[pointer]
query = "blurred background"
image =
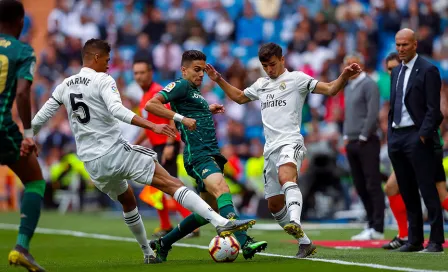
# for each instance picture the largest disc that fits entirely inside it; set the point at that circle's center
(315, 36)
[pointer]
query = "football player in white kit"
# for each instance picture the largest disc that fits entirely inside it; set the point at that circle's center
(93, 104)
(282, 95)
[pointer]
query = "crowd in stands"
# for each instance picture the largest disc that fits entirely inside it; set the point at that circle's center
(315, 36)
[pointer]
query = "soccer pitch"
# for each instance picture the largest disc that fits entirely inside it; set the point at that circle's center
(100, 242)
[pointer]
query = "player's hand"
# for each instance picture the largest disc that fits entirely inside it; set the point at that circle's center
(189, 123)
(217, 108)
(165, 129)
(351, 70)
(27, 147)
(168, 153)
(212, 73)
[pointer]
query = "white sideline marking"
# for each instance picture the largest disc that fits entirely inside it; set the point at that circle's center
(128, 239)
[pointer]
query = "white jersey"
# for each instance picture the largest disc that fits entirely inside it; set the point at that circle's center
(281, 106)
(93, 103)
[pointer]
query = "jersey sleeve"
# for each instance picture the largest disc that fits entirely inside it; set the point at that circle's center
(306, 83)
(26, 63)
(111, 97)
(175, 90)
(252, 91)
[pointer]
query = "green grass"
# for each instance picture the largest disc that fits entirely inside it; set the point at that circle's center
(67, 253)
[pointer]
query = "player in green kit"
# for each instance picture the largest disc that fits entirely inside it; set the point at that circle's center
(17, 61)
(202, 157)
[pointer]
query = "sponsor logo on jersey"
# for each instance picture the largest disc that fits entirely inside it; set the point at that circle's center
(170, 87)
(205, 171)
(114, 89)
(283, 86)
(5, 43)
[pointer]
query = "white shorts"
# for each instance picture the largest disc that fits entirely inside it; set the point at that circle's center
(294, 153)
(124, 162)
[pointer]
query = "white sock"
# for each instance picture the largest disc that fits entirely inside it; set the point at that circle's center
(196, 204)
(135, 224)
(282, 218)
(293, 198)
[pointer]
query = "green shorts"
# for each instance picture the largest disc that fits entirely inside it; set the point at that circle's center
(203, 167)
(10, 139)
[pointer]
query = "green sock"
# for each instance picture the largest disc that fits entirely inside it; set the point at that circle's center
(185, 227)
(226, 209)
(30, 211)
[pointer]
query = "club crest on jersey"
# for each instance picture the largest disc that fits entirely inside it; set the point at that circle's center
(169, 87)
(283, 86)
(114, 89)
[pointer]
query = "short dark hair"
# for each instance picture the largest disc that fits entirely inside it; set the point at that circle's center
(393, 56)
(96, 44)
(268, 50)
(146, 61)
(192, 55)
(11, 11)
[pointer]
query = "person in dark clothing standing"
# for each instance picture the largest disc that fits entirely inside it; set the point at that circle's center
(363, 147)
(414, 118)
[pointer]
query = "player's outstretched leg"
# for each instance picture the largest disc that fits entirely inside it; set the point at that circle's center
(218, 189)
(134, 221)
(202, 212)
(281, 214)
(29, 211)
(398, 208)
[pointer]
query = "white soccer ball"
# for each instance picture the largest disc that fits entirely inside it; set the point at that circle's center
(224, 249)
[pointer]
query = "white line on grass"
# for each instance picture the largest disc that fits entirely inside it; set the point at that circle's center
(128, 239)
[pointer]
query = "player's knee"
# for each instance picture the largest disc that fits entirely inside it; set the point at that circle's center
(216, 185)
(37, 186)
(391, 189)
(127, 200)
(287, 172)
(275, 205)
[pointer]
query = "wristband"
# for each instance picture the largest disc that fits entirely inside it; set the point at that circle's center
(28, 133)
(177, 117)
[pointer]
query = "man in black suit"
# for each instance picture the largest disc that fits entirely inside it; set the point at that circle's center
(414, 117)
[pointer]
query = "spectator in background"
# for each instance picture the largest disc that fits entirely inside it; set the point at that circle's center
(58, 18)
(425, 41)
(167, 56)
(441, 47)
(129, 22)
(27, 30)
(50, 68)
(268, 9)
(428, 17)
(249, 27)
(363, 147)
(224, 27)
(144, 48)
(89, 8)
(155, 26)
(176, 11)
(82, 27)
(391, 17)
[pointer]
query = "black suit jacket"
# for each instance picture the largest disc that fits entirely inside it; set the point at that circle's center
(422, 97)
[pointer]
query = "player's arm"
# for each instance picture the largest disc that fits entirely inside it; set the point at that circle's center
(332, 88)
(173, 91)
(25, 75)
(48, 110)
(112, 99)
(232, 92)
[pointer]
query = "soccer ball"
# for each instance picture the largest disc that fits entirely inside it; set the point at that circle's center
(224, 249)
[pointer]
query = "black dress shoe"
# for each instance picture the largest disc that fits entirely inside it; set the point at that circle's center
(410, 248)
(433, 248)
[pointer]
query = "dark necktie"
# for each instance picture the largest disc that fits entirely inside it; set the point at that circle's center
(399, 96)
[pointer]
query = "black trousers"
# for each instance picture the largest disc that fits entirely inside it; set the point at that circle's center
(414, 163)
(364, 160)
(169, 165)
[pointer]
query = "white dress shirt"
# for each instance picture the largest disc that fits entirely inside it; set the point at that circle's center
(406, 120)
